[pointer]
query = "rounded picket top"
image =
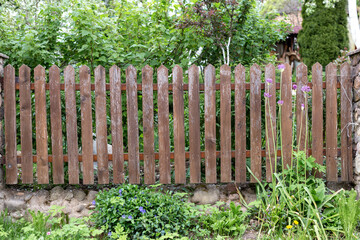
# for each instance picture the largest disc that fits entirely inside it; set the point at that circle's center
(69, 68)
(177, 70)
(239, 68)
(210, 68)
(344, 65)
(330, 66)
(24, 66)
(131, 68)
(84, 69)
(270, 65)
(316, 66)
(147, 68)
(114, 67)
(99, 68)
(9, 66)
(54, 68)
(301, 67)
(225, 69)
(162, 70)
(193, 67)
(39, 68)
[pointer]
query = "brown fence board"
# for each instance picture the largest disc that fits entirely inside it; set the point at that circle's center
(133, 127)
(286, 116)
(194, 125)
(25, 125)
(346, 127)
(71, 124)
(255, 122)
(101, 128)
(163, 116)
(41, 126)
(170, 86)
(210, 125)
(331, 123)
(179, 131)
(10, 124)
(240, 124)
(270, 115)
(86, 126)
(116, 125)
(225, 123)
(317, 114)
(56, 128)
(148, 125)
(187, 155)
(301, 112)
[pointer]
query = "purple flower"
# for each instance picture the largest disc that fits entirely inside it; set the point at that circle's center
(142, 210)
(305, 88)
(130, 217)
(120, 192)
(135, 197)
(93, 202)
(280, 102)
(267, 95)
(302, 106)
(109, 234)
(269, 80)
(123, 216)
(294, 86)
(281, 66)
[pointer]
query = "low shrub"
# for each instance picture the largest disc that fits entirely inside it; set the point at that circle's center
(143, 212)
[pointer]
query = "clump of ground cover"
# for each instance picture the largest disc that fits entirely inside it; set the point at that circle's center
(143, 213)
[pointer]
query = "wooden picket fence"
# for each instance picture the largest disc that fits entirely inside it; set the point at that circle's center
(256, 85)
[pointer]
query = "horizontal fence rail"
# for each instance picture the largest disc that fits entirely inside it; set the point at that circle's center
(248, 109)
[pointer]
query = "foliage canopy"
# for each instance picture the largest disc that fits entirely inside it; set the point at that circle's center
(121, 32)
(324, 32)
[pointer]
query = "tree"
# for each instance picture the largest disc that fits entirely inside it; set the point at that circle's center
(324, 31)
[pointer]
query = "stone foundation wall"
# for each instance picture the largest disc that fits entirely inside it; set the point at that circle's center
(355, 77)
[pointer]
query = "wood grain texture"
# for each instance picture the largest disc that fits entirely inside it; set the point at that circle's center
(194, 125)
(25, 125)
(148, 125)
(331, 123)
(133, 127)
(86, 126)
(41, 126)
(286, 117)
(10, 124)
(163, 116)
(225, 123)
(116, 125)
(179, 131)
(71, 124)
(270, 115)
(301, 107)
(56, 126)
(346, 127)
(255, 121)
(317, 115)
(101, 128)
(210, 125)
(240, 124)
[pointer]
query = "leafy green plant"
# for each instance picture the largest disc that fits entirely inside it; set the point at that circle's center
(225, 222)
(349, 211)
(142, 212)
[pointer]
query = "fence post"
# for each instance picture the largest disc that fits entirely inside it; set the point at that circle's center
(355, 77)
(2, 145)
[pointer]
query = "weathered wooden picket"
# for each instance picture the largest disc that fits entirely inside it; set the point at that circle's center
(256, 86)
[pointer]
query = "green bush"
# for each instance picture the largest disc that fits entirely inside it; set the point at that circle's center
(142, 212)
(225, 222)
(324, 33)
